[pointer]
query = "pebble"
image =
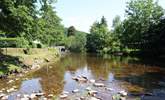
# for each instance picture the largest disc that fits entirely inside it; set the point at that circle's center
(88, 88)
(75, 91)
(65, 92)
(18, 95)
(92, 81)
(25, 98)
(4, 97)
(11, 90)
(63, 96)
(50, 95)
(82, 98)
(99, 84)
(92, 92)
(123, 93)
(32, 96)
(93, 98)
(39, 94)
(10, 81)
(109, 89)
(25, 95)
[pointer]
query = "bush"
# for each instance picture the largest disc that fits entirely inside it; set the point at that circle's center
(32, 45)
(22, 42)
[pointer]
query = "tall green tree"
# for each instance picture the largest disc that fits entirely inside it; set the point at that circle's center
(140, 15)
(99, 36)
(71, 31)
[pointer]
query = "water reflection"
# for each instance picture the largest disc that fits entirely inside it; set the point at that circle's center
(117, 72)
(131, 76)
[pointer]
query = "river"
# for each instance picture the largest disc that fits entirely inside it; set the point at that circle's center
(141, 78)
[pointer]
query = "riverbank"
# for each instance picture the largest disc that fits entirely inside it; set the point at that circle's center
(15, 61)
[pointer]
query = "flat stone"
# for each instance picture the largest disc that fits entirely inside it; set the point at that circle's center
(65, 92)
(99, 84)
(50, 95)
(63, 96)
(92, 81)
(75, 91)
(39, 94)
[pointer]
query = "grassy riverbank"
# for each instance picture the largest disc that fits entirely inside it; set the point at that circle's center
(15, 60)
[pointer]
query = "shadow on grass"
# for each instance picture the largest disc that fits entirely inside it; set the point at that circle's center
(9, 65)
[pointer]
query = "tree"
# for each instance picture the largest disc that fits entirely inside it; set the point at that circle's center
(71, 31)
(96, 40)
(140, 15)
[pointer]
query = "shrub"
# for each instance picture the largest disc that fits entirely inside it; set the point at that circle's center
(21, 42)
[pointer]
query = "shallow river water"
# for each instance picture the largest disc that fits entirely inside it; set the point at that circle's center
(140, 78)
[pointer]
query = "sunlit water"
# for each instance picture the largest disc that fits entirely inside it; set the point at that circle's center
(119, 73)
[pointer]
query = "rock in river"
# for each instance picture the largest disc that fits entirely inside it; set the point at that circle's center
(99, 85)
(63, 96)
(123, 93)
(75, 91)
(92, 81)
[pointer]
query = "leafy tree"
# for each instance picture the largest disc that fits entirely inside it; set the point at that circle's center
(96, 40)
(71, 31)
(50, 30)
(140, 15)
(76, 42)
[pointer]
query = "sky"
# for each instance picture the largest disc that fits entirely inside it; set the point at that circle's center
(83, 13)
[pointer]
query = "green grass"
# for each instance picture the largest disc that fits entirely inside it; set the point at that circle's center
(16, 58)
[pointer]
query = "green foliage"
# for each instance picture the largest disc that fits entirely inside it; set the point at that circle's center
(71, 31)
(12, 67)
(140, 15)
(22, 18)
(21, 42)
(76, 43)
(101, 40)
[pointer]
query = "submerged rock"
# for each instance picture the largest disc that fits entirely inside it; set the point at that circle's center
(94, 98)
(109, 89)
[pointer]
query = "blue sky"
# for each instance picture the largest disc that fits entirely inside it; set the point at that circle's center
(82, 13)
